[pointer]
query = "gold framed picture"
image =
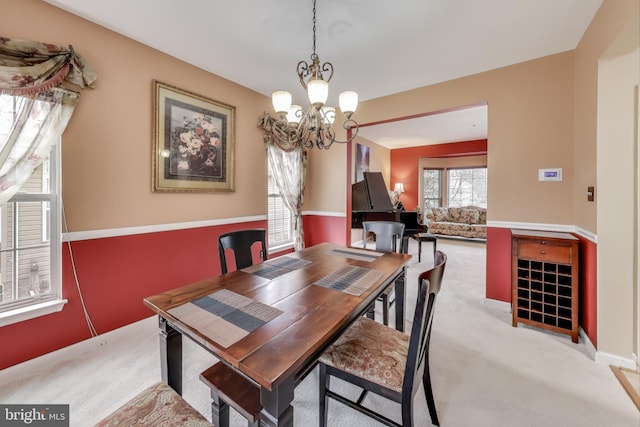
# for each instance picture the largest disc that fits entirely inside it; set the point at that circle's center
(194, 142)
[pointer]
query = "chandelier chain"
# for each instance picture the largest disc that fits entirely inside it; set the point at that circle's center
(313, 55)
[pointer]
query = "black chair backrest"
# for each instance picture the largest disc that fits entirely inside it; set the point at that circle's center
(429, 284)
(388, 235)
(241, 242)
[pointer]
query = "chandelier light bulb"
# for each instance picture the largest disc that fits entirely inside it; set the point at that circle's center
(318, 91)
(348, 101)
(281, 100)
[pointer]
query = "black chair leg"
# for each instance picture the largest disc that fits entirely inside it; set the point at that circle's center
(385, 310)
(426, 382)
(371, 311)
(324, 399)
(407, 416)
(219, 411)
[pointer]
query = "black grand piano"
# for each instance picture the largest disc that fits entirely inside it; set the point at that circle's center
(370, 202)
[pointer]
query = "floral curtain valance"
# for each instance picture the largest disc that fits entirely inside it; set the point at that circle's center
(34, 107)
(29, 67)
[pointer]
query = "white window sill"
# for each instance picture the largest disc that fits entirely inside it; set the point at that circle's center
(280, 248)
(31, 311)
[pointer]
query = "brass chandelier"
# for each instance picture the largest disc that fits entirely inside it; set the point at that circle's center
(313, 127)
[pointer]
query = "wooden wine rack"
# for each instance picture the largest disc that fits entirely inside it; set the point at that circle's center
(544, 285)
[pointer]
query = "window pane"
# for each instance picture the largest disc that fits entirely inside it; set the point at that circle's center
(21, 242)
(467, 187)
(279, 217)
(432, 184)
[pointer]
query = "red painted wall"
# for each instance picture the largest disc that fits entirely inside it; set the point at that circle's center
(498, 273)
(588, 289)
(319, 229)
(115, 274)
(404, 164)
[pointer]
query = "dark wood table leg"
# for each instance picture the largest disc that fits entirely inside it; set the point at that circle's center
(401, 294)
(219, 410)
(435, 242)
(276, 405)
(171, 356)
(419, 249)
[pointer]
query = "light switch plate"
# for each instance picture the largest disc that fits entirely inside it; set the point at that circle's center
(554, 174)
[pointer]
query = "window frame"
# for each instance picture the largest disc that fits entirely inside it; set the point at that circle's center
(53, 301)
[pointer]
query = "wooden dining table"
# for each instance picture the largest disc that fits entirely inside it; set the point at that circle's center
(270, 322)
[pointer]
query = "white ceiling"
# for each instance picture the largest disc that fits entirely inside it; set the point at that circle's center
(467, 124)
(377, 47)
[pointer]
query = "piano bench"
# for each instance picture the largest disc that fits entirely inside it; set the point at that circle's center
(425, 237)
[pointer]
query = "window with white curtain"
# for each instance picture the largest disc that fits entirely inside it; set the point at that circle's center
(280, 223)
(30, 236)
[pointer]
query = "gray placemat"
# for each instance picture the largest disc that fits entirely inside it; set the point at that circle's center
(225, 316)
(277, 267)
(351, 279)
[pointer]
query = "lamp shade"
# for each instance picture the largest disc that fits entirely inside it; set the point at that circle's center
(318, 91)
(398, 188)
(281, 100)
(348, 101)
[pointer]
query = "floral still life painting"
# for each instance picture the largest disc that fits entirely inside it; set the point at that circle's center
(193, 142)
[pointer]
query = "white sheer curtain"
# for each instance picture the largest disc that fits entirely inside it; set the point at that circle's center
(29, 127)
(289, 171)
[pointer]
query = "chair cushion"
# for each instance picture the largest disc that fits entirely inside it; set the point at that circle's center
(158, 405)
(372, 351)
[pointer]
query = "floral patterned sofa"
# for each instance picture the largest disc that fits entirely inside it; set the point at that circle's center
(465, 221)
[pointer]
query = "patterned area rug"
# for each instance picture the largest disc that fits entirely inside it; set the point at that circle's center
(630, 381)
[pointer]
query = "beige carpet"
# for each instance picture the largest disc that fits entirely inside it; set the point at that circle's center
(485, 372)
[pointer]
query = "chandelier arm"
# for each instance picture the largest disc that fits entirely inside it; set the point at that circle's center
(327, 67)
(347, 124)
(285, 136)
(303, 70)
(304, 133)
(327, 134)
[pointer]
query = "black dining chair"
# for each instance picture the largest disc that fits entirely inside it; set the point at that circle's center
(228, 388)
(389, 238)
(241, 243)
(384, 361)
